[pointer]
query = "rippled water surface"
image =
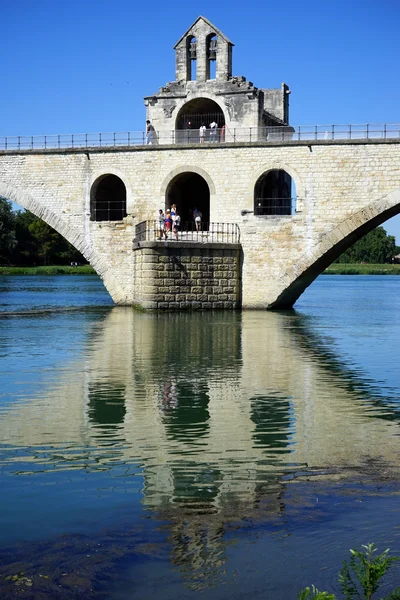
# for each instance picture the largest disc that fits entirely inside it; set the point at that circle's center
(214, 455)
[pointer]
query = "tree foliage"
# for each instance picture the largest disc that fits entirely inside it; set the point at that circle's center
(26, 240)
(7, 231)
(376, 247)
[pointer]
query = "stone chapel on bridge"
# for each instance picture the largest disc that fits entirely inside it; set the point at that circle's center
(205, 89)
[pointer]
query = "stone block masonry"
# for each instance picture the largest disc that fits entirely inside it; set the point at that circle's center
(343, 188)
(187, 276)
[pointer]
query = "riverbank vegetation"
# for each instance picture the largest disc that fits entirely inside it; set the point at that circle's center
(362, 269)
(49, 270)
(26, 240)
(377, 247)
(360, 577)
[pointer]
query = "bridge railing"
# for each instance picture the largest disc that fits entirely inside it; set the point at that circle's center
(274, 206)
(271, 134)
(225, 233)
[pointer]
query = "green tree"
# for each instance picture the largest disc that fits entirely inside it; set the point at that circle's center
(46, 238)
(7, 230)
(38, 243)
(25, 252)
(375, 247)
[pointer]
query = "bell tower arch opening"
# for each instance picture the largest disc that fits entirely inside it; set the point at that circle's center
(211, 51)
(108, 199)
(189, 191)
(191, 57)
(274, 194)
(197, 112)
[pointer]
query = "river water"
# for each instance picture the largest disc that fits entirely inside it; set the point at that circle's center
(205, 455)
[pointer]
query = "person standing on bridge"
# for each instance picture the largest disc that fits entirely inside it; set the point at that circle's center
(197, 218)
(168, 223)
(202, 133)
(161, 224)
(176, 223)
(150, 132)
(213, 131)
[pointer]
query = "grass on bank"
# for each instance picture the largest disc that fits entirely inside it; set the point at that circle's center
(49, 270)
(334, 269)
(362, 269)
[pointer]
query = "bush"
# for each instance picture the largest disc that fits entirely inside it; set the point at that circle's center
(360, 577)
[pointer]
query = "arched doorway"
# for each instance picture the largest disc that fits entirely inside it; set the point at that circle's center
(108, 199)
(189, 191)
(198, 112)
(274, 194)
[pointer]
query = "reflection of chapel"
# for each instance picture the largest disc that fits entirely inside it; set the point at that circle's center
(206, 91)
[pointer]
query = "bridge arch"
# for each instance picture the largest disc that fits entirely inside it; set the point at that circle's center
(331, 245)
(78, 240)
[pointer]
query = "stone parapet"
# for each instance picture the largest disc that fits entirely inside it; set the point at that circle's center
(187, 276)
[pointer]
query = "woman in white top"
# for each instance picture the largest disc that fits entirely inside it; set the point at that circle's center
(202, 132)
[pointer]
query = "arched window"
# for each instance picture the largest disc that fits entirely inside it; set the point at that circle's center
(211, 52)
(108, 199)
(274, 194)
(191, 57)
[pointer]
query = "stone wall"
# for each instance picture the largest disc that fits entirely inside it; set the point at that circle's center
(341, 185)
(184, 276)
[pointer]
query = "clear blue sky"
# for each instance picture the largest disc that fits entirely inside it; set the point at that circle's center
(84, 66)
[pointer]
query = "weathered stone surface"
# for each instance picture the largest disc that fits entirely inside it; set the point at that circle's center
(197, 289)
(342, 187)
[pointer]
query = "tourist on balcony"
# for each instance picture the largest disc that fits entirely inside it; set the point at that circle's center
(168, 223)
(222, 133)
(150, 133)
(197, 218)
(202, 133)
(176, 224)
(161, 224)
(213, 131)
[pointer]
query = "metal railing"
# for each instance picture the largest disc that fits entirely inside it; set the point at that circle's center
(274, 206)
(226, 233)
(271, 134)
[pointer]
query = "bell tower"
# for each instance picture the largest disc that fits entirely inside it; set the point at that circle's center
(205, 92)
(196, 51)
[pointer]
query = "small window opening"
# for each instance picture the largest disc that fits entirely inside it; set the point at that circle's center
(108, 199)
(211, 49)
(275, 194)
(191, 55)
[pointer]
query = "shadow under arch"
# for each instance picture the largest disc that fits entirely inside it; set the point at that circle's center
(76, 239)
(331, 245)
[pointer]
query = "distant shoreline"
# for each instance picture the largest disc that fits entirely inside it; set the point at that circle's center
(50, 270)
(359, 269)
(335, 269)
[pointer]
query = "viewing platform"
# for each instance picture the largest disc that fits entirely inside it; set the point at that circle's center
(188, 233)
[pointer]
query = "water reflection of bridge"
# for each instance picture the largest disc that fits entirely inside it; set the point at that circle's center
(215, 408)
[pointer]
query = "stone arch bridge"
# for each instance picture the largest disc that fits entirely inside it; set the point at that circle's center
(344, 189)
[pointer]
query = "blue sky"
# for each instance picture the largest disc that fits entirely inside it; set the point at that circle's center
(72, 67)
